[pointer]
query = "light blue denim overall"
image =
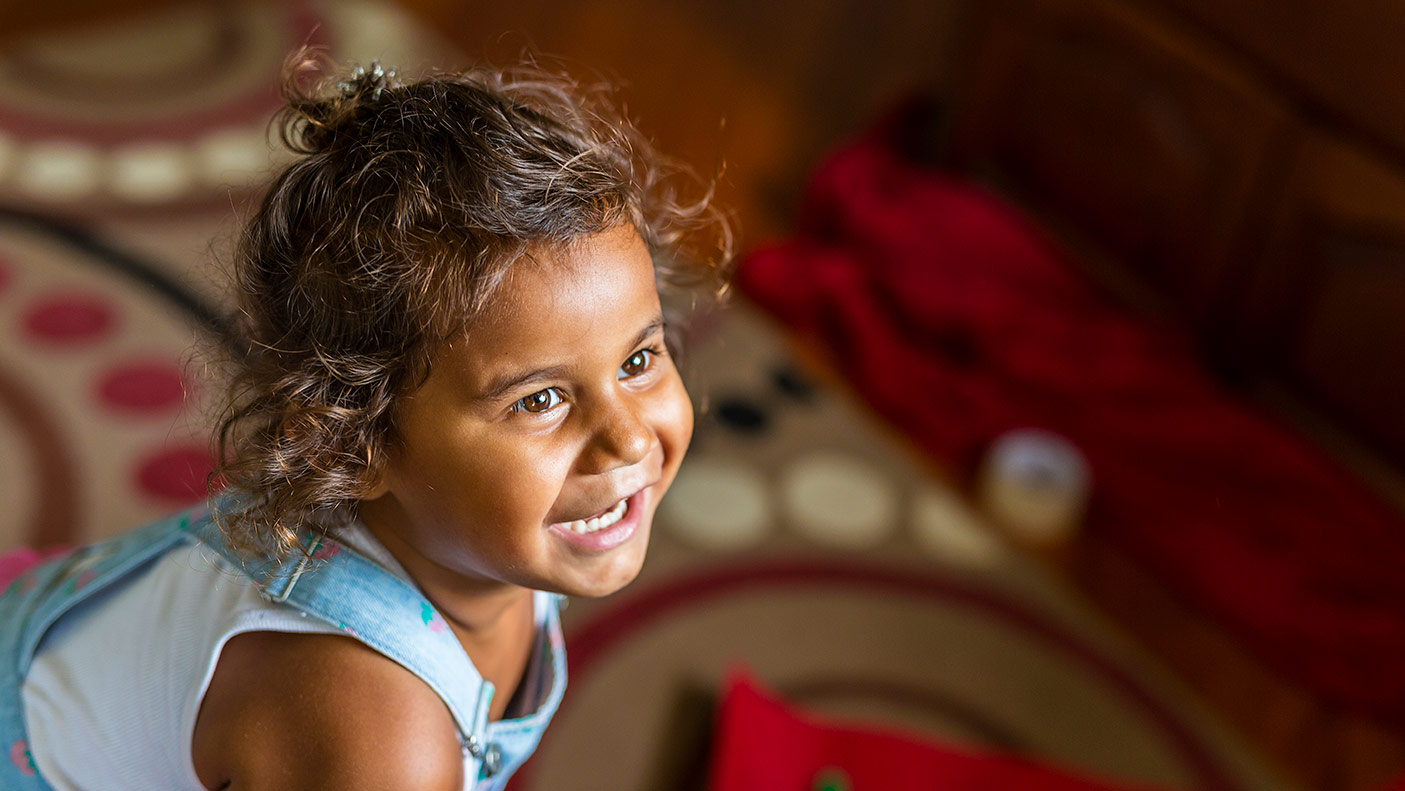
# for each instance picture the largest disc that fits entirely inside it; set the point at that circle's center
(336, 585)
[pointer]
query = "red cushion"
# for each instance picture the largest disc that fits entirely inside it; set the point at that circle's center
(760, 744)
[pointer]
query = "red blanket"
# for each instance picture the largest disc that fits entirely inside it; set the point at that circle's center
(956, 322)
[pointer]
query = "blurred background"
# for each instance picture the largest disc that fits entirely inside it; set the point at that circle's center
(1051, 438)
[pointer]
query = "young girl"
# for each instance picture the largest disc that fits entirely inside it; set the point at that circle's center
(453, 402)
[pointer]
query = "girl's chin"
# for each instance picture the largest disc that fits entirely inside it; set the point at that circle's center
(609, 573)
(596, 589)
(607, 558)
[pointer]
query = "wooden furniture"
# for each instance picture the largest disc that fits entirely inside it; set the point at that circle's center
(1325, 307)
(1206, 182)
(1238, 168)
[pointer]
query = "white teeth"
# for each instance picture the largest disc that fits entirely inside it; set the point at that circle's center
(600, 522)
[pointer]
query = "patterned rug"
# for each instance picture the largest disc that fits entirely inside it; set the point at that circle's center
(126, 153)
(99, 424)
(801, 539)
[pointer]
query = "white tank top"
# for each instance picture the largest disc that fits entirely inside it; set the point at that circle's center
(110, 702)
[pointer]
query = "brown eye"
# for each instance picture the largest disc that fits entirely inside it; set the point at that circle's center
(538, 402)
(637, 364)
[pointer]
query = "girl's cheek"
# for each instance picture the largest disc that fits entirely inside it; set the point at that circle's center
(679, 417)
(686, 404)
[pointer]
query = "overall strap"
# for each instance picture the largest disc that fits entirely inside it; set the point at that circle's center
(330, 582)
(36, 600)
(341, 587)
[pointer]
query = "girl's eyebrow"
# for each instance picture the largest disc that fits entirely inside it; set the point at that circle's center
(655, 325)
(510, 382)
(502, 386)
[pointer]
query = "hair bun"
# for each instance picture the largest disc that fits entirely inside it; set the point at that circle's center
(314, 116)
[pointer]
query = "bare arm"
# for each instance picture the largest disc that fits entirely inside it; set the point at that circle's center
(291, 711)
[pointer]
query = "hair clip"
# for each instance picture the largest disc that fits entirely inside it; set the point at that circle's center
(374, 80)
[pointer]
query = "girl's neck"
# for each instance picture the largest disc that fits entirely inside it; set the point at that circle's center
(493, 621)
(476, 609)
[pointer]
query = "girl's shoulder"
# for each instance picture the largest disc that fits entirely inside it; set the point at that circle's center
(321, 711)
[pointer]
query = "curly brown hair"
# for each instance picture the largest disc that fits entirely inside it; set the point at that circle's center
(406, 205)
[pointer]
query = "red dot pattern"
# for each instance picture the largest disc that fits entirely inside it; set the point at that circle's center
(70, 319)
(142, 387)
(78, 320)
(177, 474)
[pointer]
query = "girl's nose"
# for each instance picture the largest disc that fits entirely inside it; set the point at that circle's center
(622, 438)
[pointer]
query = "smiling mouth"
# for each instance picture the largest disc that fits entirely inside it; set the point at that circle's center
(604, 520)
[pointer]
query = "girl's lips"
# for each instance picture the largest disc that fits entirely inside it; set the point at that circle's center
(609, 537)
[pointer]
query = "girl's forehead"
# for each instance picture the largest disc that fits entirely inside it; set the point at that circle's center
(561, 303)
(554, 282)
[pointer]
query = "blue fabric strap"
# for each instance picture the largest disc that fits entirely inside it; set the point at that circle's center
(348, 591)
(34, 603)
(330, 582)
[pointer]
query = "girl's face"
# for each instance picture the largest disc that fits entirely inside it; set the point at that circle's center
(537, 450)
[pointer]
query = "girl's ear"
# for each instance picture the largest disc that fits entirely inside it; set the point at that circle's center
(378, 486)
(376, 478)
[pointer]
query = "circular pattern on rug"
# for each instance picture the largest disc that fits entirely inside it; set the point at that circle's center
(176, 474)
(960, 664)
(39, 473)
(152, 109)
(151, 172)
(148, 386)
(839, 500)
(100, 429)
(56, 170)
(717, 504)
(71, 318)
(741, 415)
(887, 702)
(944, 525)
